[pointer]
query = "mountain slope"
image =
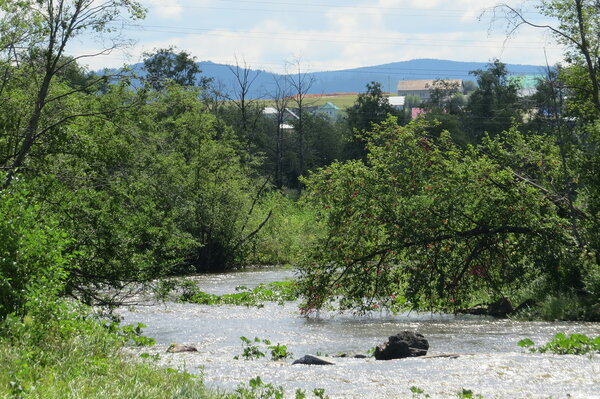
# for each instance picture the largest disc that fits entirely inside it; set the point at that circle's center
(355, 80)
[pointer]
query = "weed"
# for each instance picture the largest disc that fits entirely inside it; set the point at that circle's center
(561, 344)
(418, 392)
(278, 291)
(279, 352)
(468, 394)
(256, 388)
(253, 351)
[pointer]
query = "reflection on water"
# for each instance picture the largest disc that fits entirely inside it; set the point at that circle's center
(492, 364)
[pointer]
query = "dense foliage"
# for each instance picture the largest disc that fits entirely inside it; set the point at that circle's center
(426, 223)
(423, 223)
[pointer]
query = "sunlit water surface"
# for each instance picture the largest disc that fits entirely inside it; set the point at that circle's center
(491, 363)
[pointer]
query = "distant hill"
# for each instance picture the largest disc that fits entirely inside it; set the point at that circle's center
(356, 79)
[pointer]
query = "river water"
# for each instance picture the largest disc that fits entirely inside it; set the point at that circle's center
(491, 364)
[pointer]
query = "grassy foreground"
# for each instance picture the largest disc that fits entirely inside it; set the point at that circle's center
(73, 355)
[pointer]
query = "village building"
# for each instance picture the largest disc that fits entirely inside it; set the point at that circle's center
(329, 110)
(420, 88)
(288, 116)
(398, 102)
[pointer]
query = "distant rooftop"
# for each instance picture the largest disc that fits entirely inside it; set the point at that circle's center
(329, 105)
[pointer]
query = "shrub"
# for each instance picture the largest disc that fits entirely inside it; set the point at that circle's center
(33, 264)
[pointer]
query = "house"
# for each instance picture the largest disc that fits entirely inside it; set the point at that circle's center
(526, 84)
(398, 102)
(288, 115)
(329, 110)
(421, 88)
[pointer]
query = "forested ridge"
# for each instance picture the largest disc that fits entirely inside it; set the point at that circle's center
(108, 187)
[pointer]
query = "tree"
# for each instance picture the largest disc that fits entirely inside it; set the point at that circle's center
(281, 100)
(166, 64)
(445, 96)
(371, 107)
(248, 109)
(300, 82)
(576, 28)
(46, 33)
(445, 110)
(423, 224)
(494, 106)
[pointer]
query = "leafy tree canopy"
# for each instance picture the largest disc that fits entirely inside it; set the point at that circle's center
(167, 64)
(426, 225)
(494, 106)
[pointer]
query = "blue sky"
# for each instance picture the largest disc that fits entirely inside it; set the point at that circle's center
(329, 35)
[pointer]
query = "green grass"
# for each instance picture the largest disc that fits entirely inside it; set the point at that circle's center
(343, 100)
(73, 355)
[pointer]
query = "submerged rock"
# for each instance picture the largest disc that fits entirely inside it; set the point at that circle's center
(312, 360)
(356, 356)
(179, 348)
(404, 344)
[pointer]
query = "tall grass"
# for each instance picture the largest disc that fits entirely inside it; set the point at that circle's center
(76, 356)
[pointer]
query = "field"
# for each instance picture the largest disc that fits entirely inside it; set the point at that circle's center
(342, 100)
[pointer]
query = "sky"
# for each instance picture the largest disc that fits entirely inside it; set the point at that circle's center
(328, 35)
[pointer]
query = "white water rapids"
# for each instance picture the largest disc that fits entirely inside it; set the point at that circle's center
(492, 364)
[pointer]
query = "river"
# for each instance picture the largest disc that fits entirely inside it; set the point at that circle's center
(491, 363)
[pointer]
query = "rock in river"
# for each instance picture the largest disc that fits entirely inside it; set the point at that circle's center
(178, 348)
(404, 344)
(312, 360)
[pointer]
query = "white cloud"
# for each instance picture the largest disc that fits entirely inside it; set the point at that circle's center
(350, 37)
(164, 9)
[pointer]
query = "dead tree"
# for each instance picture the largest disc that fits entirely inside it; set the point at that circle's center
(300, 82)
(249, 111)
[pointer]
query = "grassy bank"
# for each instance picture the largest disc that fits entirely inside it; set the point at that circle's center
(73, 355)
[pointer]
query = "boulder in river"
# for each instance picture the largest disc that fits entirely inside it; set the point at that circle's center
(401, 345)
(179, 348)
(312, 360)
(501, 308)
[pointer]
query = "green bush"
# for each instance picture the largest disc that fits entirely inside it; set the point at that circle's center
(561, 344)
(33, 264)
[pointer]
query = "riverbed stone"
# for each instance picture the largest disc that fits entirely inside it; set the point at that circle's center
(179, 348)
(402, 345)
(501, 308)
(312, 361)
